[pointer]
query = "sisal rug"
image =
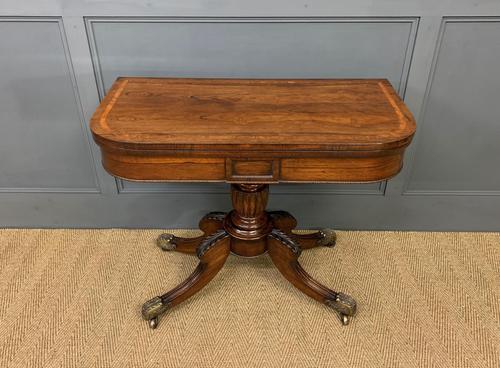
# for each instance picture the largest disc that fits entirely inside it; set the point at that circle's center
(72, 298)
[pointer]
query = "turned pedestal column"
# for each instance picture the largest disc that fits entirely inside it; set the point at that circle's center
(248, 223)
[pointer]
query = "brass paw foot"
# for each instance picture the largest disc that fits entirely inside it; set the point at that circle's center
(170, 242)
(328, 238)
(344, 305)
(152, 309)
(209, 224)
(165, 242)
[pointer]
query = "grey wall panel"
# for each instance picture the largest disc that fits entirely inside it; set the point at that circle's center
(459, 148)
(326, 189)
(449, 80)
(43, 144)
(451, 213)
(252, 48)
(125, 186)
(239, 8)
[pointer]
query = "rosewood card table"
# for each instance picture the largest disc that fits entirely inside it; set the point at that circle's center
(251, 133)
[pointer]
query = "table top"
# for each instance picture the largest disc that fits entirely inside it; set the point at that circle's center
(258, 131)
(246, 114)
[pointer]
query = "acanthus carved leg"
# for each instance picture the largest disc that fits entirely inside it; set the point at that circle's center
(285, 222)
(284, 253)
(212, 222)
(209, 224)
(212, 252)
(321, 238)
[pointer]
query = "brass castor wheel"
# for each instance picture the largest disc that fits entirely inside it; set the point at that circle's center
(329, 238)
(153, 323)
(345, 319)
(166, 242)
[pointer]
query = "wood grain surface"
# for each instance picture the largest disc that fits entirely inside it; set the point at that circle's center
(262, 131)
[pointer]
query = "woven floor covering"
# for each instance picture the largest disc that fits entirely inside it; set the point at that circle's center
(72, 298)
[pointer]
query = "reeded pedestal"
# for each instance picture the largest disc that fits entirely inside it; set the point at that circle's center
(248, 230)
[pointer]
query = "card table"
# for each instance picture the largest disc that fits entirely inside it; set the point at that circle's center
(251, 133)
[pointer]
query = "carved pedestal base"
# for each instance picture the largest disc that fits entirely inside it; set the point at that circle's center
(248, 230)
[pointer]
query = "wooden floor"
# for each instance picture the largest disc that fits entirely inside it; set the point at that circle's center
(71, 298)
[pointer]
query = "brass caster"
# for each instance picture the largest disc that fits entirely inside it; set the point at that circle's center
(165, 242)
(153, 323)
(328, 238)
(344, 305)
(153, 308)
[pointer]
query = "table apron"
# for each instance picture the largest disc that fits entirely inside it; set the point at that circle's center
(253, 170)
